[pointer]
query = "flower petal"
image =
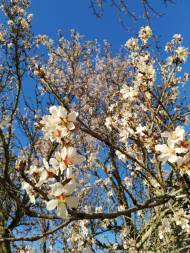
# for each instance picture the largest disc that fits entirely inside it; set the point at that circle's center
(52, 204)
(62, 210)
(72, 202)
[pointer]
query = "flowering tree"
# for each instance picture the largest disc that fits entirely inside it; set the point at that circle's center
(97, 158)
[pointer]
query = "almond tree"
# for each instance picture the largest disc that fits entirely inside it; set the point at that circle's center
(97, 158)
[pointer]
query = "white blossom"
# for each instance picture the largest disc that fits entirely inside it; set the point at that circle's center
(145, 33)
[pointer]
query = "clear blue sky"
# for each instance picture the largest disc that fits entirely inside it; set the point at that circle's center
(52, 15)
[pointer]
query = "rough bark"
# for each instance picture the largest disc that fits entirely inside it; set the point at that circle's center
(4, 246)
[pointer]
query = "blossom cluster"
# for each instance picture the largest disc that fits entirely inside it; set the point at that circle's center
(176, 149)
(144, 34)
(128, 114)
(55, 176)
(179, 53)
(59, 124)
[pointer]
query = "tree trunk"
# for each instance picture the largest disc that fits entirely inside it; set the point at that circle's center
(4, 246)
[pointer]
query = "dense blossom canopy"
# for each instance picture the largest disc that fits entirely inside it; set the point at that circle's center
(98, 158)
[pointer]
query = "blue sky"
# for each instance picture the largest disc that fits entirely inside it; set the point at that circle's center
(50, 16)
